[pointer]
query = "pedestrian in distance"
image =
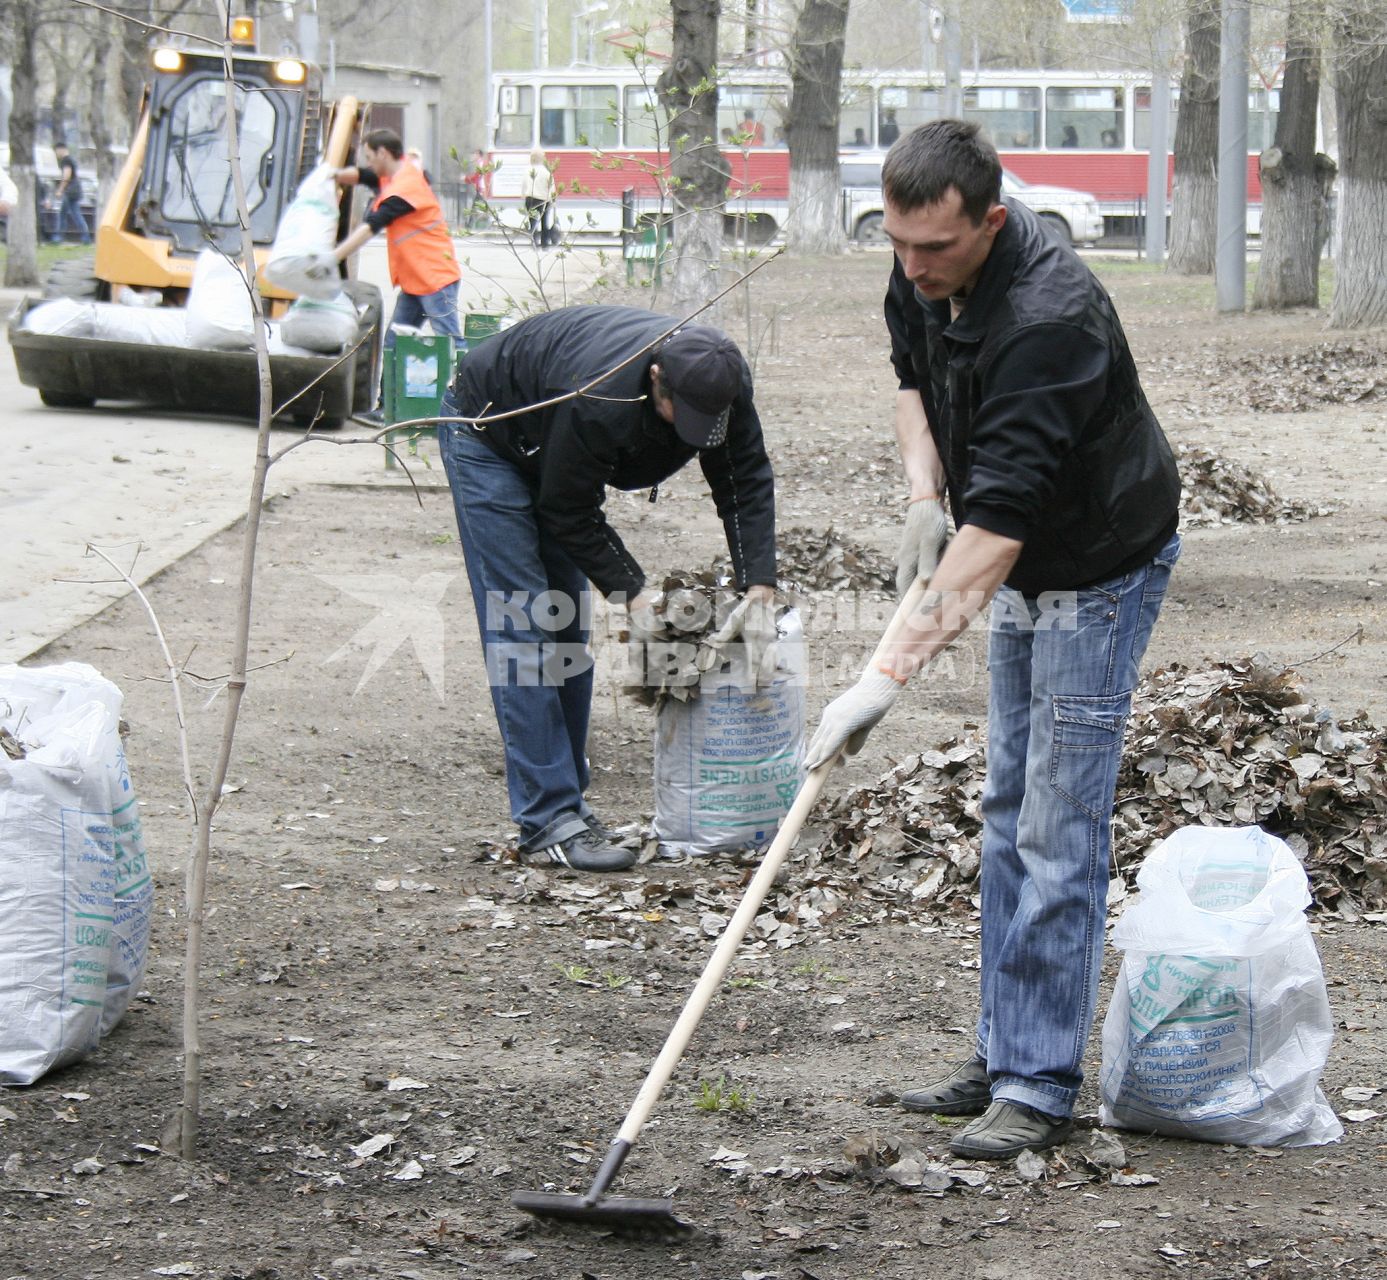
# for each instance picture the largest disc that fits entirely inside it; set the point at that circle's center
(529, 490)
(68, 197)
(539, 193)
(422, 262)
(1019, 400)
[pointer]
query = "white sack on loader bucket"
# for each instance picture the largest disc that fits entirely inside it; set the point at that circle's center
(220, 315)
(307, 230)
(323, 325)
(75, 891)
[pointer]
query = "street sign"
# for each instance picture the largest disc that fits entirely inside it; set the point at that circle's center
(1098, 10)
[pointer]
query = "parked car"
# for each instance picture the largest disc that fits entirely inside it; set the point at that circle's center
(1074, 215)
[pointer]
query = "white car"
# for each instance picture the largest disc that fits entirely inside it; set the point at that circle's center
(1074, 215)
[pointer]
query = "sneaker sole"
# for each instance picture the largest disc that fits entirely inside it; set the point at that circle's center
(966, 1107)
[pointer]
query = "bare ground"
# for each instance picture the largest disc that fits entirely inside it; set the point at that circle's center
(378, 966)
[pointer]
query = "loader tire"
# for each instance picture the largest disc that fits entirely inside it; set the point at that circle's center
(75, 278)
(366, 298)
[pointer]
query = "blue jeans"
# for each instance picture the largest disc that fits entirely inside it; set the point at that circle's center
(1062, 674)
(532, 610)
(71, 218)
(439, 309)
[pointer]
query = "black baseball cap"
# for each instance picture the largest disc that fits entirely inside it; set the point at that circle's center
(701, 369)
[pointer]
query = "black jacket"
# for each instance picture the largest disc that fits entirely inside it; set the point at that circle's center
(1035, 407)
(612, 436)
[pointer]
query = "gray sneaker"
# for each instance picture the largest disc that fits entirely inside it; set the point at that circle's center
(965, 1091)
(1007, 1129)
(584, 851)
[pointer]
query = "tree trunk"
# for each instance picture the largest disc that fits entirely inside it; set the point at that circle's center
(1360, 72)
(99, 114)
(22, 262)
(1294, 207)
(816, 77)
(698, 170)
(1194, 200)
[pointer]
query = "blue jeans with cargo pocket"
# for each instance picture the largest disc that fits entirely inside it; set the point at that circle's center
(532, 610)
(1063, 668)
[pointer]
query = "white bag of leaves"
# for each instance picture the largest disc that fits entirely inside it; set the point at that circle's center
(65, 316)
(1219, 1026)
(728, 761)
(307, 229)
(325, 325)
(220, 314)
(75, 890)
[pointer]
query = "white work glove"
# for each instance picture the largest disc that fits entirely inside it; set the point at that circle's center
(851, 716)
(922, 542)
(321, 264)
(753, 621)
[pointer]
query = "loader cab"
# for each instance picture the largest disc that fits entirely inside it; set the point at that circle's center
(186, 193)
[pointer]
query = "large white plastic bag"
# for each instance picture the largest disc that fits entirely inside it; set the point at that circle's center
(1219, 1026)
(307, 229)
(728, 762)
(64, 316)
(220, 315)
(75, 891)
(323, 325)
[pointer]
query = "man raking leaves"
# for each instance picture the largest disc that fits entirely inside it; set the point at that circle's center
(1019, 399)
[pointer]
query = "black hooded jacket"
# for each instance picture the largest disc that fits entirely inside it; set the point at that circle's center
(1034, 404)
(573, 450)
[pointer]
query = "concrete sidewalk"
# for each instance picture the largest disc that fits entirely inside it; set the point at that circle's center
(163, 483)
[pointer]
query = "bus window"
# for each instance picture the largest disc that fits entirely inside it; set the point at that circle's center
(855, 117)
(577, 115)
(900, 109)
(1084, 118)
(516, 118)
(1011, 116)
(1262, 108)
(750, 116)
(644, 122)
(1141, 117)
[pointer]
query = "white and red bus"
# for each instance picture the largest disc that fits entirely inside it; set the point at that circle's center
(604, 131)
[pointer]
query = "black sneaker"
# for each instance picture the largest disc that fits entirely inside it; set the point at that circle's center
(585, 851)
(1007, 1129)
(965, 1091)
(599, 828)
(371, 417)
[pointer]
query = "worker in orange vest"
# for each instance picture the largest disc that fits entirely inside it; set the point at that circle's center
(422, 261)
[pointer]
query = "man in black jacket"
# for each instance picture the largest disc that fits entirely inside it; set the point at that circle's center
(563, 405)
(1019, 399)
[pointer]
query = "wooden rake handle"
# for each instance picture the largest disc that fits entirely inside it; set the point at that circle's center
(702, 994)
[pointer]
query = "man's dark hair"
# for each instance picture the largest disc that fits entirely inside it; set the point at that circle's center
(388, 139)
(59, 146)
(923, 164)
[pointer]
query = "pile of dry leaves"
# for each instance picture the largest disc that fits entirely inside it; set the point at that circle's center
(1236, 744)
(1328, 373)
(688, 612)
(1216, 491)
(823, 560)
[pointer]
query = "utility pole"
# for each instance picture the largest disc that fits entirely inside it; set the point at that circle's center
(1230, 252)
(1158, 160)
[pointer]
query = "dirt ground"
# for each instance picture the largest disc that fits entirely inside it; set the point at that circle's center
(378, 968)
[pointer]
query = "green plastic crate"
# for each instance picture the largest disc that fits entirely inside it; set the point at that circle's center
(479, 325)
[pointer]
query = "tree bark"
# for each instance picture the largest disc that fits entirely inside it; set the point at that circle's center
(816, 78)
(1360, 72)
(699, 171)
(1194, 200)
(1294, 203)
(22, 262)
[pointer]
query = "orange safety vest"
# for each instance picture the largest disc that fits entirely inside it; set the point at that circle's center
(420, 248)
